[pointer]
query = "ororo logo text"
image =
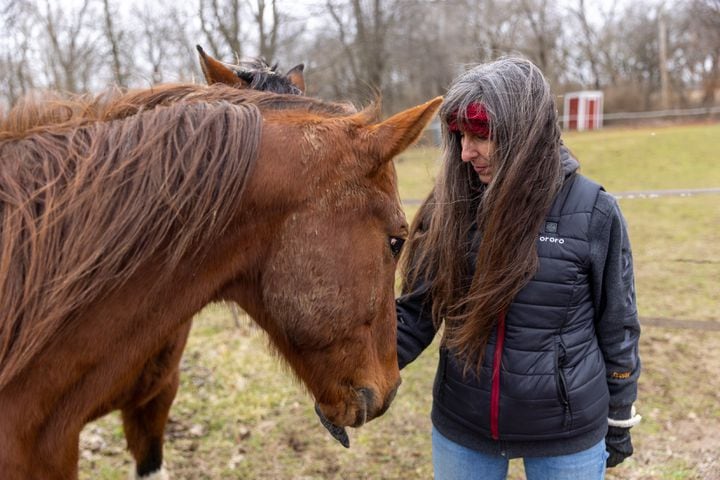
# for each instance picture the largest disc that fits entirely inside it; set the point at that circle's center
(543, 238)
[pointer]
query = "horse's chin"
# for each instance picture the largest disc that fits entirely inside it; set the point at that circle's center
(338, 433)
(366, 408)
(354, 415)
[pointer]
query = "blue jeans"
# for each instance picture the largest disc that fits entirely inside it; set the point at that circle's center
(455, 462)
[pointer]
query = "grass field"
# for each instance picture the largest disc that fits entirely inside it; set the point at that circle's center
(239, 413)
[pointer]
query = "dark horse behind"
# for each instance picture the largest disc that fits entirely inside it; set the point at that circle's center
(123, 215)
(255, 73)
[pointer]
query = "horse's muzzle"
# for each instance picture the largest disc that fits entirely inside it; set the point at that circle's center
(367, 409)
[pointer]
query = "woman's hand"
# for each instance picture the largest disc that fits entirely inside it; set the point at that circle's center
(618, 445)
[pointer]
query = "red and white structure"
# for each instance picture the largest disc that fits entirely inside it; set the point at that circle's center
(583, 110)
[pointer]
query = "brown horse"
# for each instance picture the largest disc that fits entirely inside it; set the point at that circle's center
(123, 215)
(255, 74)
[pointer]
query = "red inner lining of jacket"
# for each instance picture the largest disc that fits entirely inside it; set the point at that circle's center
(495, 394)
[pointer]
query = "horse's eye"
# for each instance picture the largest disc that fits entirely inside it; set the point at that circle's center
(396, 244)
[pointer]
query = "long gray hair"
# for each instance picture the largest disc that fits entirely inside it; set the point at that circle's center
(509, 210)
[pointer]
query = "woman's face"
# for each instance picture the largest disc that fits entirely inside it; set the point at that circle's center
(477, 150)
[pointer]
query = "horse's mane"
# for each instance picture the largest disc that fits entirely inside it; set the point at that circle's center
(94, 188)
(48, 108)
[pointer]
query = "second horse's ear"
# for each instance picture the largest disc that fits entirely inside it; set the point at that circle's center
(296, 77)
(217, 72)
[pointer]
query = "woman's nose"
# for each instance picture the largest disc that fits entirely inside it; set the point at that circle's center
(468, 153)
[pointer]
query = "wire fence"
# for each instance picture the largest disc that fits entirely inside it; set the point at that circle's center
(639, 194)
(663, 114)
(676, 115)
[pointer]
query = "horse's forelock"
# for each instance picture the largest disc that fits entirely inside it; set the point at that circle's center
(272, 82)
(262, 76)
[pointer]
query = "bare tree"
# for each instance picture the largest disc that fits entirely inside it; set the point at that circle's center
(11, 11)
(407, 50)
(267, 34)
(15, 73)
(705, 22)
(71, 51)
(233, 29)
(362, 30)
(15, 64)
(220, 22)
(542, 34)
(165, 47)
(493, 28)
(637, 56)
(114, 38)
(595, 43)
(662, 58)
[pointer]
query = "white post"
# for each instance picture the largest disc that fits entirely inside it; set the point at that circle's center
(582, 121)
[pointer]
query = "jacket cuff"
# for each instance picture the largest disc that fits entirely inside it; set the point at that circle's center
(620, 413)
(624, 417)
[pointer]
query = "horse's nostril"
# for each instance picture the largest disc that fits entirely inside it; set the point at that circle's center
(390, 397)
(368, 397)
(388, 400)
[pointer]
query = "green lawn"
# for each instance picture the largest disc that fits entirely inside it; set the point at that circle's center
(650, 158)
(239, 413)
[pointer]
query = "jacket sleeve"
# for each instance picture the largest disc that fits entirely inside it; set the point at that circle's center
(415, 327)
(616, 316)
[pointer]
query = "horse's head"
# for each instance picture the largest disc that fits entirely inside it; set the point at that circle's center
(253, 73)
(326, 290)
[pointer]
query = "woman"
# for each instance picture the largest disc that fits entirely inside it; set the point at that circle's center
(527, 265)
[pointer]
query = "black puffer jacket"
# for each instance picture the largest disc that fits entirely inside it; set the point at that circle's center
(565, 352)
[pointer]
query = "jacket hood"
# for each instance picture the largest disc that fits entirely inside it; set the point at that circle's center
(569, 164)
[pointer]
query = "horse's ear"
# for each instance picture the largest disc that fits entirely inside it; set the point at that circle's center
(398, 132)
(217, 72)
(296, 77)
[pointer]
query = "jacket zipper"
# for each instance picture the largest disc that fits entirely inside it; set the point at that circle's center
(561, 382)
(495, 393)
